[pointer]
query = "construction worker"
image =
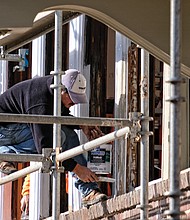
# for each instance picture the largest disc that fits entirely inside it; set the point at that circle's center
(35, 96)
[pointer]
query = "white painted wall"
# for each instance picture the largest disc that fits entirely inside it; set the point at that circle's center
(76, 55)
(184, 162)
(5, 191)
(39, 182)
(120, 110)
(3, 75)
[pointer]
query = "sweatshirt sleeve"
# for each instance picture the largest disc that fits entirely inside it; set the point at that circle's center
(69, 164)
(26, 186)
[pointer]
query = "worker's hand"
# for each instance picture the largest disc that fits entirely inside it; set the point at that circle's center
(24, 204)
(85, 174)
(91, 132)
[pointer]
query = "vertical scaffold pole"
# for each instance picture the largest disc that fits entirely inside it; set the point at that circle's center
(144, 146)
(175, 99)
(57, 112)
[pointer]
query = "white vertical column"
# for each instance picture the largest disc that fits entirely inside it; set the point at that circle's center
(38, 56)
(5, 203)
(39, 183)
(5, 190)
(76, 56)
(120, 110)
(166, 124)
(3, 75)
(185, 125)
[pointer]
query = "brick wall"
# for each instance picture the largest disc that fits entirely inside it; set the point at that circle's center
(124, 207)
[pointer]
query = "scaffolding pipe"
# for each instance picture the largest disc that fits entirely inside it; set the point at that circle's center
(20, 173)
(175, 98)
(144, 144)
(22, 157)
(93, 144)
(57, 112)
(66, 120)
(62, 156)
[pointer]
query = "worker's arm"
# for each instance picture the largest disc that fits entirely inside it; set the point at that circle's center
(91, 132)
(85, 174)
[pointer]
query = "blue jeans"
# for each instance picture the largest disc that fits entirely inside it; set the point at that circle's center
(72, 141)
(17, 138)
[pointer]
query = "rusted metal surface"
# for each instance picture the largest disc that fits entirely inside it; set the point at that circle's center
(133, 78)
(133, 85)
(95, 56)
(144, 86)
(120, 111)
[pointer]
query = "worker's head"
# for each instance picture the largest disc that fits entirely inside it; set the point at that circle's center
(75, 84)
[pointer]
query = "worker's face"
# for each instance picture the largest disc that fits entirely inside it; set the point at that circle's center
(66, 100)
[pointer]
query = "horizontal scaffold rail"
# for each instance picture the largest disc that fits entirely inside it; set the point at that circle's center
(65, 155)
(66, 120)
(92, 144)
(22, 157)
(20, 173)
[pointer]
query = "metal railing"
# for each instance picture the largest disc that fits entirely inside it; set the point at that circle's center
(46, 161)
(66, 120)
(175, 98)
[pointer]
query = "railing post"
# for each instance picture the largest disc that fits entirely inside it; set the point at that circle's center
(175, 99)
(144, 146)
(57, 112)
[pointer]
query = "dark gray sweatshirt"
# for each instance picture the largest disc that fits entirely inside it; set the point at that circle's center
(35, 96)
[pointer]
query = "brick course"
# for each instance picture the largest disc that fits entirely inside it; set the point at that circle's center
(124, 207)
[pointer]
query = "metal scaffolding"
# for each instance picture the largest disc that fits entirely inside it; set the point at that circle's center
(175, 99)
(50, 158)
(45, 165)
(144, 143)
(57, 112)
